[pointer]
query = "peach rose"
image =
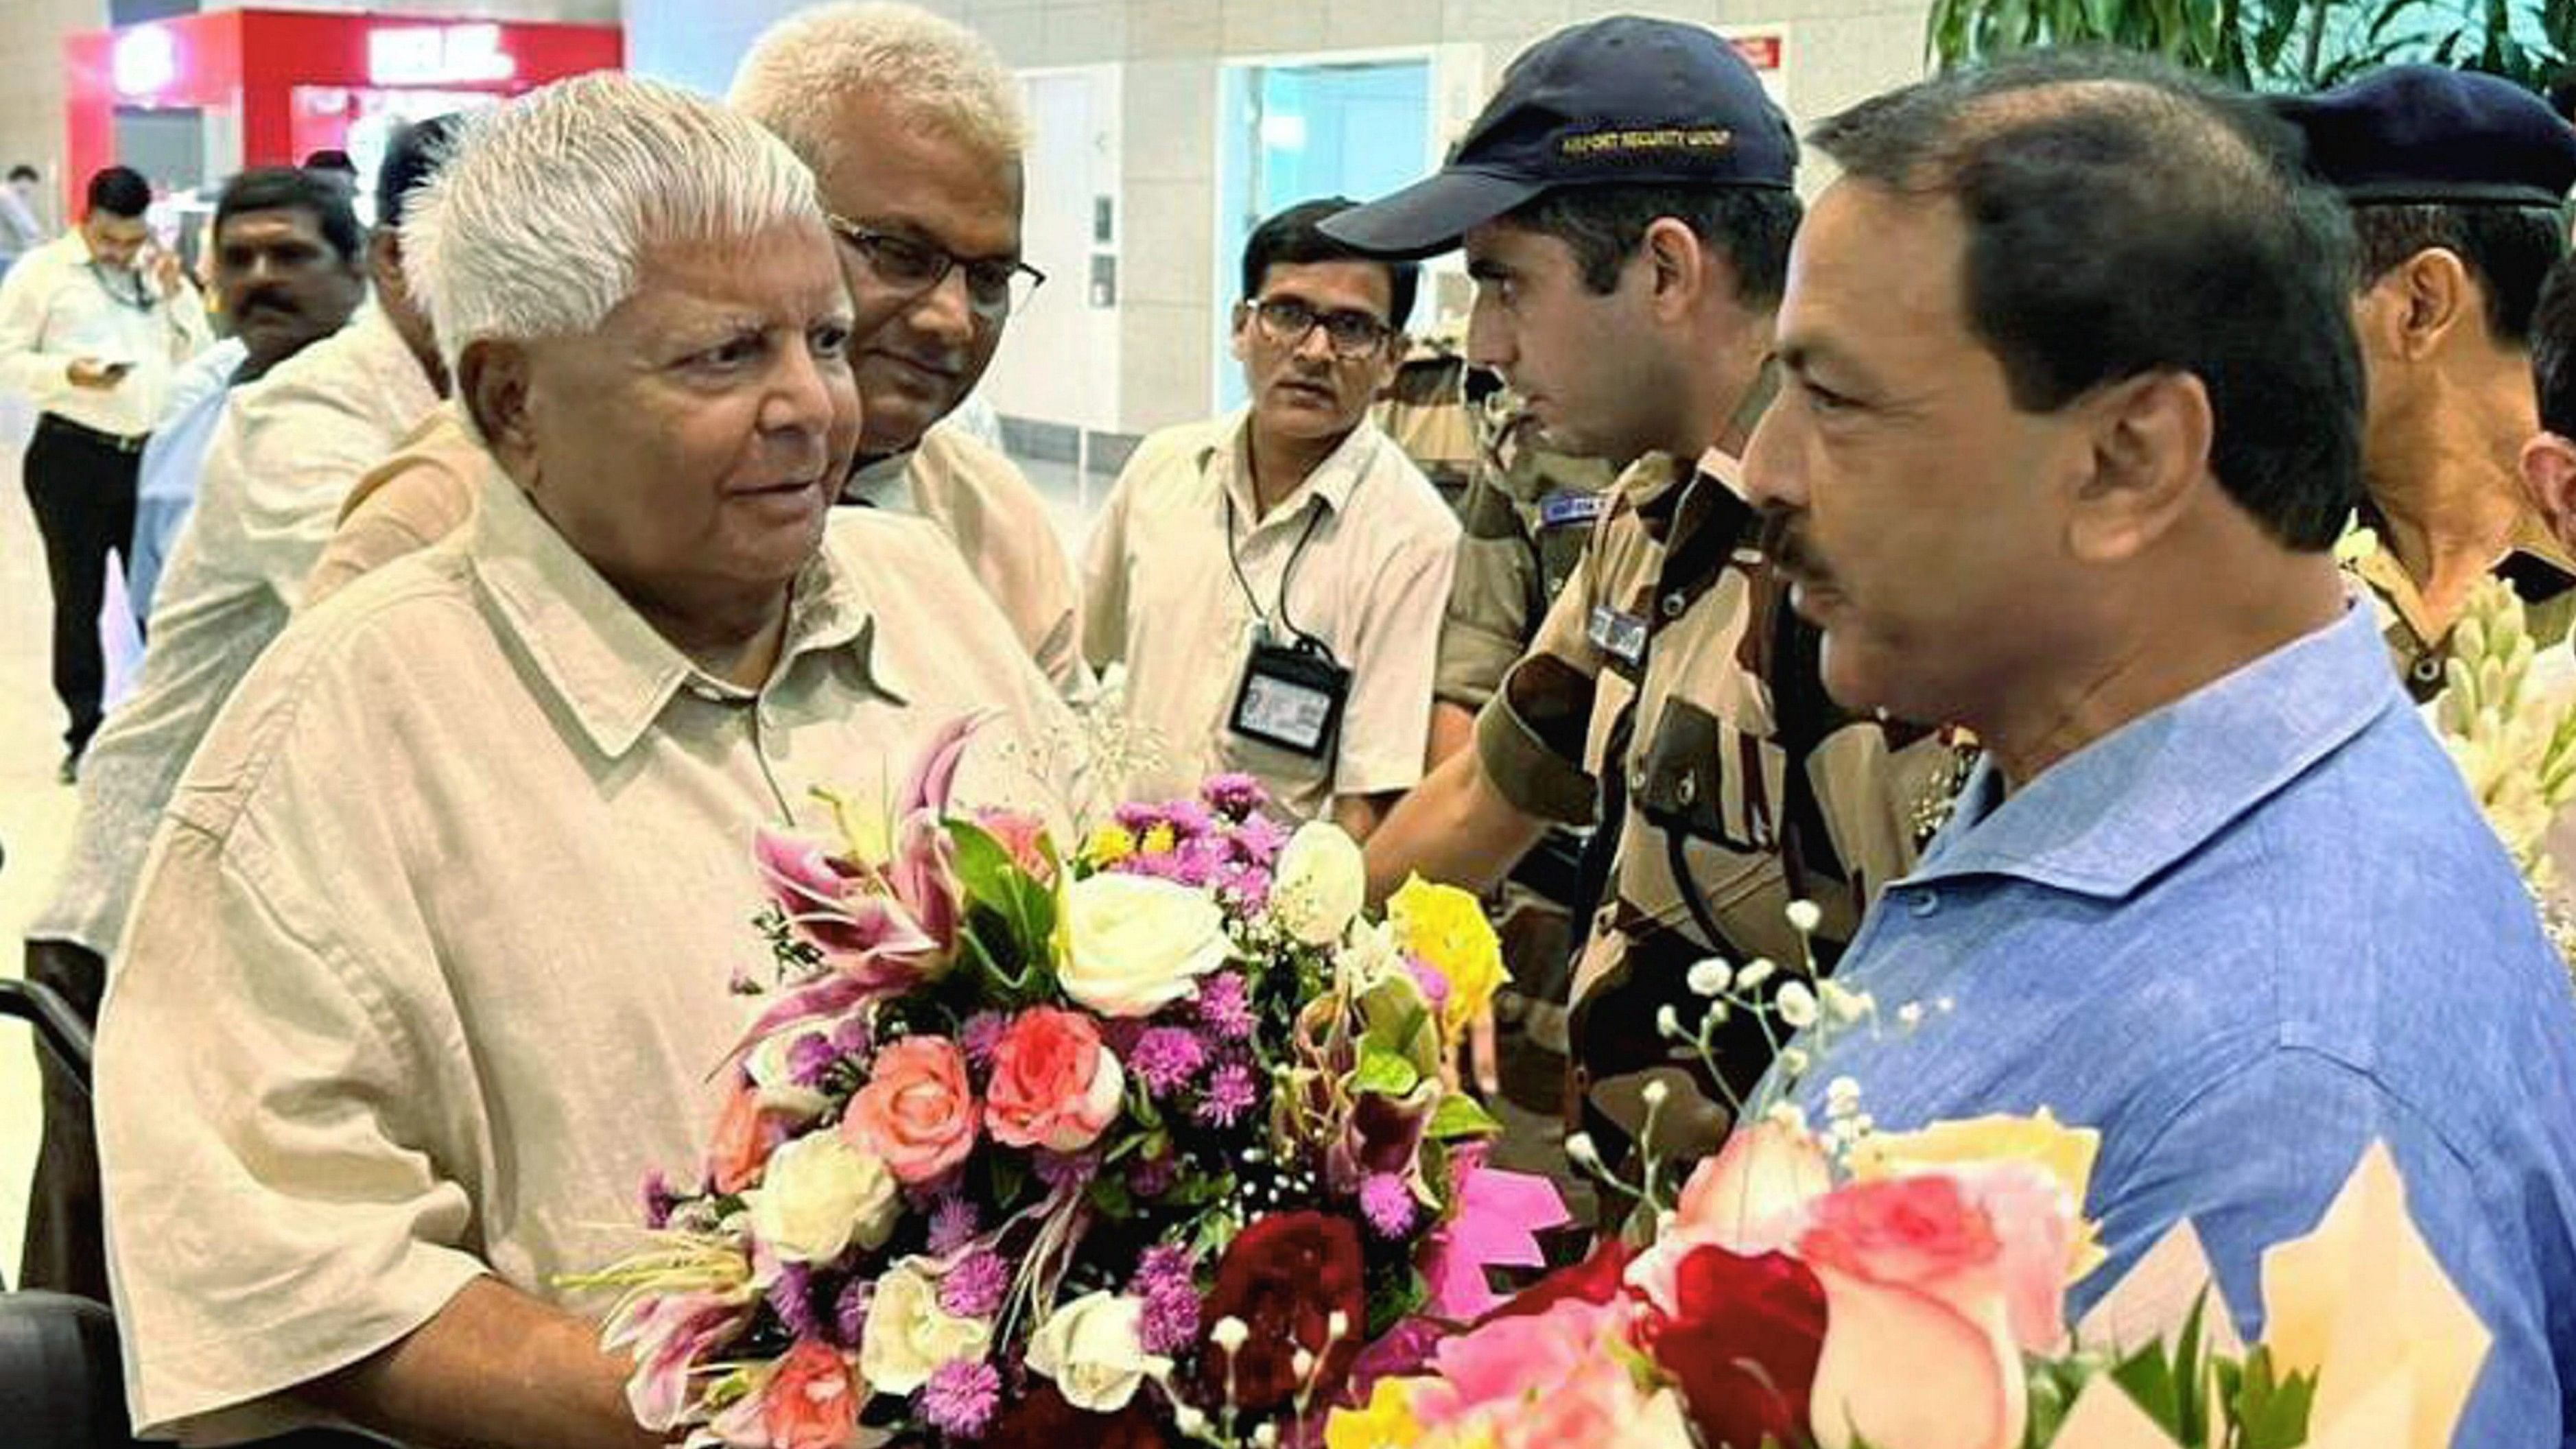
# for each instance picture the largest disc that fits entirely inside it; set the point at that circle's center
(917, 1111)
(809, 1404)
(1054, 1085)
(1913, 1272)
(745, 1136)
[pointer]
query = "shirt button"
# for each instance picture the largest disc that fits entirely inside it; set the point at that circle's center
(2427, 670)
(1924, 903)
(1674, 603)
(708, 692)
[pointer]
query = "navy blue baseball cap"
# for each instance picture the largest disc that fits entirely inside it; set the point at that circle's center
(1622, 100)
(2427, 135)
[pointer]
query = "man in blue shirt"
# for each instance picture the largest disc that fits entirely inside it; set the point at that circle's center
(289, 269)
(2072, 419)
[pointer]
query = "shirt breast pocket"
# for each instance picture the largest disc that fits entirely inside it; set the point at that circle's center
(1699, 776)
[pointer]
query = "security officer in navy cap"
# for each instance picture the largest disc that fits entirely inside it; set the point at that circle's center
(2455, 182)
(1626, 208)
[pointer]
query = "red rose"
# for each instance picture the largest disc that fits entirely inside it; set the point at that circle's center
(1041, 1419)
(1285, 1277)
(1743, 1343)
(1053, 1084)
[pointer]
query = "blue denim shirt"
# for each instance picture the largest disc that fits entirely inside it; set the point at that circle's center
(2243, 936)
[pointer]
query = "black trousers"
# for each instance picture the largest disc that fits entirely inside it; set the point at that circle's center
(82, 487)
(66, 1246)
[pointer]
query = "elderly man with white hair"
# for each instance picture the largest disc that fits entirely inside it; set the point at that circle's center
(915, 132)
(430, 968)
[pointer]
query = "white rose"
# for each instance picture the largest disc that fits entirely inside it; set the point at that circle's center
(773, 1079)
(1094, 1349)
(819, 1194)
(1321, 883)
(909, 1337)
(1133, 945)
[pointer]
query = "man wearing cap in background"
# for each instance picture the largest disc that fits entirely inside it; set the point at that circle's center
(1626, 207)
(2455, 182)
(285, 450)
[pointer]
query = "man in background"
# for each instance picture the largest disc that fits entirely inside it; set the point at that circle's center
(93, 326)
(915, 133)
(2455, 182)
(21, 231)
(1273, 580)
(285, 452)
(289, 267)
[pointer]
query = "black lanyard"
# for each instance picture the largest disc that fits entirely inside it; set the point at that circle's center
(1287, 575)
(139, 300)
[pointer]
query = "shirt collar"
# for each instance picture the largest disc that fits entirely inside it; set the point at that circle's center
(2112, 816)
(1334, 479)
(2534, 566)
(609, 666)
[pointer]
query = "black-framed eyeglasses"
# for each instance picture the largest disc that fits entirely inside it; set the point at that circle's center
(1286, 321)
(995, 288)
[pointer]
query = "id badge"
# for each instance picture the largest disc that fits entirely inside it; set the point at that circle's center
(1621, 636)
(1291, 697)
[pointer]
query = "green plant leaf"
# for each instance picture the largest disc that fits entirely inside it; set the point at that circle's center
(1460, 1115)
(1384, 1071)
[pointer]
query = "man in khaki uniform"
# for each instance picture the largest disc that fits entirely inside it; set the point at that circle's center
(2455, 183)
(1628, 266)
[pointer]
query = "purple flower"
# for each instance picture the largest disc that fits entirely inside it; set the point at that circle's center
(1388, 1205)
(853, 1037)
(1165, 1268)
(1230, 1093)
(1225, 1006)
(1433, 981)
(1189, 819)
(809, 1057)
(976, 1286)
(1171, 1325)
(1139, 818)
(1166, 1058)
(1064, 1171)
(793, 1298)
(1245, 887)
(659, 1200)
(953, 1224)
(961, 1398)
(850, 1312)
(1235, 796)
(979, 1034)
(1197, 863)
(1261, 839)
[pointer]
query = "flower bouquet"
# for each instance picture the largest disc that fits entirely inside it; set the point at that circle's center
(1145, 1143)
(1907, 1291)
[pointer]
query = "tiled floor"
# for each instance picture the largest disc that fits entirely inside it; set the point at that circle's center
(35, 812)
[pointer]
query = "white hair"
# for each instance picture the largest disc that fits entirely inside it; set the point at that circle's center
(805, 69)
(539, 224)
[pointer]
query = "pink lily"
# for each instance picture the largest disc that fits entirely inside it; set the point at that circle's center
(671, 1335)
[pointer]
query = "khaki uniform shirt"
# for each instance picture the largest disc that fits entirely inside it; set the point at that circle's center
(430, 966)
(1174, 587)
(2538, 569)
(1000, 525)
(1672, 669)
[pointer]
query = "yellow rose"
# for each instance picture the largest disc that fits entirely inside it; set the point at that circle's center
(1446, 927)
(2064, 1153)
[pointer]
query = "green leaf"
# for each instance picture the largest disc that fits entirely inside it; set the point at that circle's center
(2272, 1413)
(1460, 1115)
(1385, 1072)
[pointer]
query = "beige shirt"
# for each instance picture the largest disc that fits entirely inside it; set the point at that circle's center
(56, 308)
(429, 968)
(1000, 525)
(1162, 595)
(283, 455)
(421, 494)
